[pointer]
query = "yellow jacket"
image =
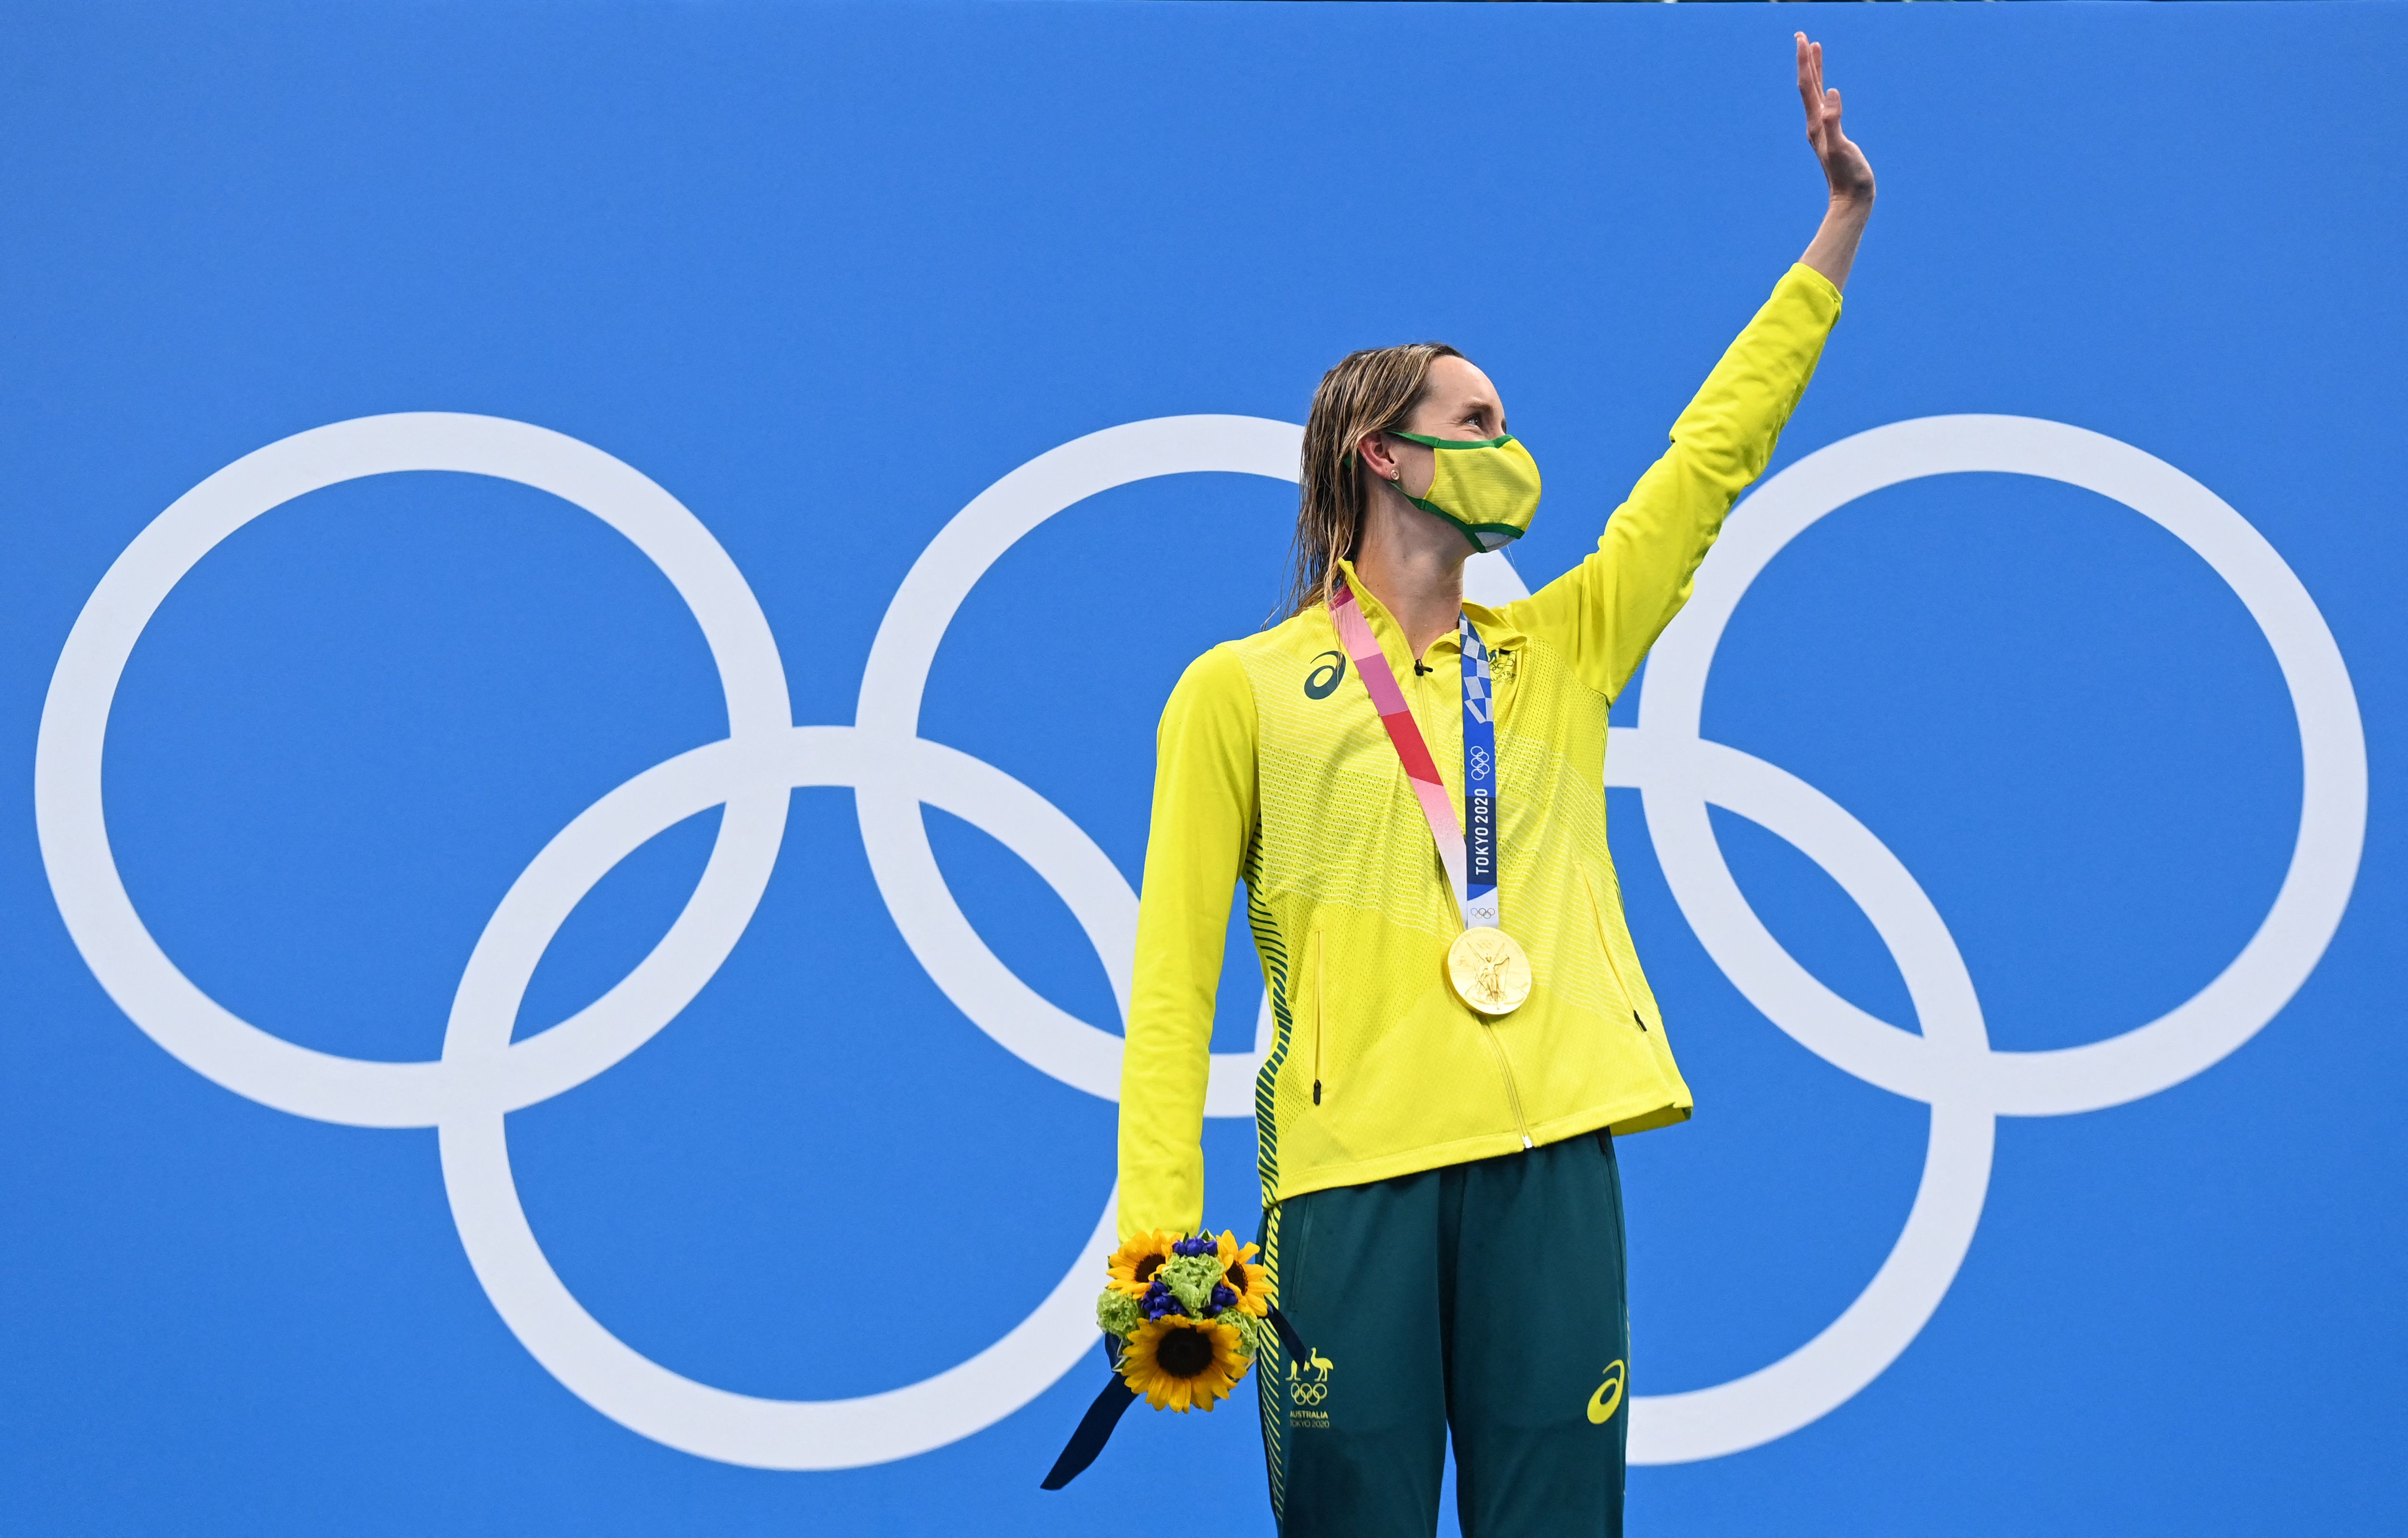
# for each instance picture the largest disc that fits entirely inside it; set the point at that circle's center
(1271, 763)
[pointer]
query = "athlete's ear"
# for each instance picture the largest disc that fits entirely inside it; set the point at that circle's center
(1377, 451)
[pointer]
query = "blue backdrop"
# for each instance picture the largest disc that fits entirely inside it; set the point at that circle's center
(823, 274)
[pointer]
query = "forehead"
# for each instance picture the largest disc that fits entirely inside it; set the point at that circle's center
(1459, 381)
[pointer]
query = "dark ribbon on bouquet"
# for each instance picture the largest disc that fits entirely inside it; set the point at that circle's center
(1095, 1426)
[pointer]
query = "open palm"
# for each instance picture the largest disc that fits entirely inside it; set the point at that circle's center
(1845, 165)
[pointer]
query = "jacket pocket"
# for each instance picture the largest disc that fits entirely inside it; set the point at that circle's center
(1605, 944)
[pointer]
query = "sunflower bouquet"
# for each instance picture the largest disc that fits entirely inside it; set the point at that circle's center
(1183, 1318)
(1189, 1313)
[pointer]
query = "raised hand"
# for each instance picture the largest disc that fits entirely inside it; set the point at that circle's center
(1833, 250)
(1844, 166)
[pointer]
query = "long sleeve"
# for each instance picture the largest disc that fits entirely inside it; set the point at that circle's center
(1203, 821)
(1609, 610)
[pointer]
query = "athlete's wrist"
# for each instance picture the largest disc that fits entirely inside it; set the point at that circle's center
(1855, 207)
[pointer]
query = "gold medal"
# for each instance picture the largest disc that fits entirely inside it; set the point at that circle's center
(1488, 970)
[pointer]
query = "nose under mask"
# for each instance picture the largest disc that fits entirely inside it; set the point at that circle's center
(1486, 487)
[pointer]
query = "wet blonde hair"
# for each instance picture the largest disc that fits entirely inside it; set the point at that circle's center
(1372, 391)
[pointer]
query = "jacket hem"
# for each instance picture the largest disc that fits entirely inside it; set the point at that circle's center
(1638, 1114)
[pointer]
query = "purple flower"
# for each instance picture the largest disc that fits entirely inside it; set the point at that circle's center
(1203, 1243)
(1223, 1298)
(1159, 1300)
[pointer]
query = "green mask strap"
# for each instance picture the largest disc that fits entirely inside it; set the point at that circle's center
(1497, 443)
(1348, 457)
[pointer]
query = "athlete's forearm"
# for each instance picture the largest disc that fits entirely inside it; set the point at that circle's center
(1833, 249)
(1607, 611)
(1725, 437)
(1167, 1061)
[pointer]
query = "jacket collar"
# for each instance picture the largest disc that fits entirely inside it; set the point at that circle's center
(1500, 634)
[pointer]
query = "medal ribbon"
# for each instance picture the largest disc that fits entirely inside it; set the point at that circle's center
(1479, 784)
(1470, 861)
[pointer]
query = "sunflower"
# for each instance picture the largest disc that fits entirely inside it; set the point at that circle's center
(1181, 1364)
(1133, 1264)
(1246, 1277)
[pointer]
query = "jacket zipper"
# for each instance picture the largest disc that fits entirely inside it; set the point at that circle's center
(1512, 1093)
(1316, 1017)
(1488, 1027)
(1605, 942)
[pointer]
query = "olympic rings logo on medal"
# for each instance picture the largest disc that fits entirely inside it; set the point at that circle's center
(483, 1073)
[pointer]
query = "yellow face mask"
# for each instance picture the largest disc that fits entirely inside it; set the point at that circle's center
(1486, 487)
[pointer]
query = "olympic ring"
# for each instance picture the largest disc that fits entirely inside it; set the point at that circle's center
(483, 1073)
(1951, 1064)
(895, 677)
(193, 1027)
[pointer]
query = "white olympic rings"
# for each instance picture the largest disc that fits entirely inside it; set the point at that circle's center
(483, 1073)
(1951, 1065)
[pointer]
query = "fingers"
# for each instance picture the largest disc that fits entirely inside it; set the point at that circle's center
(1821, 105)
(1809, 90)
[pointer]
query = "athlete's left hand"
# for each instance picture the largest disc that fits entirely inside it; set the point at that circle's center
(1833, 249)
(1844, 166)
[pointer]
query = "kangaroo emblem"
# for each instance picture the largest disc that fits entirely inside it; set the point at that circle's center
(1314, 1389)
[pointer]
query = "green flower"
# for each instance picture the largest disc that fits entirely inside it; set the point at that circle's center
(1191, 1279)
(1250, 1329)
(1119, 1313)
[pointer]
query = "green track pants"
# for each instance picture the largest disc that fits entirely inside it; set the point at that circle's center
(1485, 1299)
